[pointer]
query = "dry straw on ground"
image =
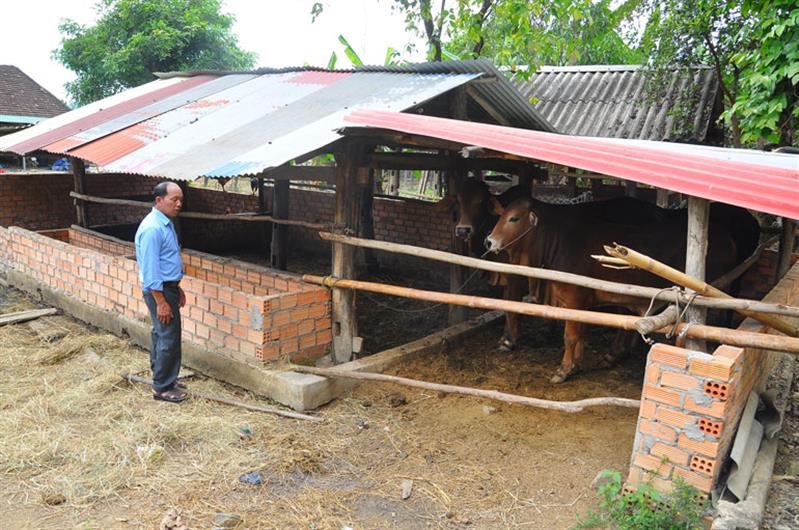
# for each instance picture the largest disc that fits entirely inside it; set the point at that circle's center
(78, 445)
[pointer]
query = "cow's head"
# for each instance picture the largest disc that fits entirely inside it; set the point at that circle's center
(473, 208)
(515, 221)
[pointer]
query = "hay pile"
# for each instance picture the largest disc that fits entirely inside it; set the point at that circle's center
(79, 446)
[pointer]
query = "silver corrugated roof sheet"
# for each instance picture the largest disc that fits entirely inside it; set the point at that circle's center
(500, 93)
(225, 124)
(613, 101)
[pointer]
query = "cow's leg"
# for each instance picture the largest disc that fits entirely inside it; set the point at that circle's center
(622, 344)
(572, 351)
(514, 290)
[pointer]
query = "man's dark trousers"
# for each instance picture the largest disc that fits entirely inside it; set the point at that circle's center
(165, 352)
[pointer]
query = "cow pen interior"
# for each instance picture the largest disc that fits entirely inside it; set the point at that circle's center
(691, 400)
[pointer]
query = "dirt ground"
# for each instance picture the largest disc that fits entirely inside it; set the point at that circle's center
(80, 448)
(782, 505)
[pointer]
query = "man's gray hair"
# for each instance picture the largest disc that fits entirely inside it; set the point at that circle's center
(160, 189)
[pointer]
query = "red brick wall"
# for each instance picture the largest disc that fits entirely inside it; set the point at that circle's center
(692, 402)
(36, 201)
(246, 312)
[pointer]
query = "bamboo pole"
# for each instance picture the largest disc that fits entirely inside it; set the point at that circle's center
(245, 216)
(558, 276)
(733, 337)
(664, 271)
(257, 408)
(563, 406)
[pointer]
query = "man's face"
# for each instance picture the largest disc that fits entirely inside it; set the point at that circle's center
(170, 204)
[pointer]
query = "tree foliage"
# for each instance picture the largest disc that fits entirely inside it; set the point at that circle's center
(134, 38)
(753, 47)
(524, 33)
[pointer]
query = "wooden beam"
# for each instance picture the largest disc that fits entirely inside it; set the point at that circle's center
(663, 197)
(787, 239)
(286, 172)
(437, 162)
(79, 186)
(695, 257)
(562, 406)
(733, 337)
(563, 277)
(280, 210)
(486, 106)
(347, 217)
(243, 216)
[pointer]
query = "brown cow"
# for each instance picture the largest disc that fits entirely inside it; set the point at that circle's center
(564, 237)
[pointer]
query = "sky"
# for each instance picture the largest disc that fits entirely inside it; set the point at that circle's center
(279, 31)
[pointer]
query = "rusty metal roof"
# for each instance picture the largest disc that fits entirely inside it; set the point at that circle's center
(224, 124)
(616, 101)
(766, 182)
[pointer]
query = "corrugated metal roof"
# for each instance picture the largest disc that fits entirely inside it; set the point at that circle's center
(615, 101)
(185, 125)
(766, 182)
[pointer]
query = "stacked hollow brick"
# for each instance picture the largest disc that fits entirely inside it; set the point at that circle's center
(692, 402)
(243, 311)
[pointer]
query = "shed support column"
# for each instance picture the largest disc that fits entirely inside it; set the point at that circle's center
(79, 179)
(786, 246)
(345, 322)
(458, 107)
(663, 198)
(263, 228)
(630, 188)
(280, 210)
(695, 257)
(367, 226)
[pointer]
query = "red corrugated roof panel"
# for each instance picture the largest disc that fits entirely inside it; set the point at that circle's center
(766, 182)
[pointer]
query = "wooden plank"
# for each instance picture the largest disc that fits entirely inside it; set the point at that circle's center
(695, 257)
(324, 173)
(733, 337)
(24, 316)
(786, 246)
(79, 185)
(280, 210)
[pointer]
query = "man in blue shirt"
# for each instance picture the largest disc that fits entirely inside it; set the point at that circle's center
(160, 272)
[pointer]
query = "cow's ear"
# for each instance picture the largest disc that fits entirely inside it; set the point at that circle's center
(446, 203)
(497, 207)
(533, 219)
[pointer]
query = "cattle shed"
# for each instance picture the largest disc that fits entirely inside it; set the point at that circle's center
(692, 401)
(265, 125)
(458, 118)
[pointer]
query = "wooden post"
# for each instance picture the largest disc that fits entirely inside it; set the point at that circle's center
(393, 182)
(280, 210)
(347, 217)
(79, 183)
(367, 225)
(695, 256)
(786, 246)
(630, 188)
(458, 108)
(663, 198)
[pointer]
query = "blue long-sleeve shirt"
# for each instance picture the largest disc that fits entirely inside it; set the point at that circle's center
(157, 252)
